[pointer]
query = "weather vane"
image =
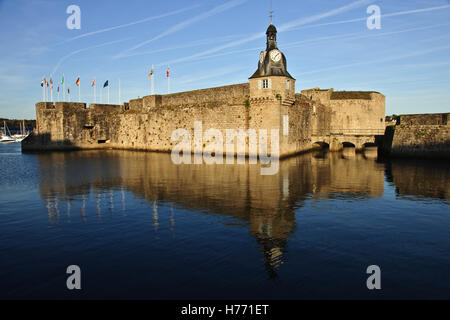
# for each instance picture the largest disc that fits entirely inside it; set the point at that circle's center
(271, 12)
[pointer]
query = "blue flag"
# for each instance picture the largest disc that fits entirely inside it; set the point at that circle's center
(106, 84)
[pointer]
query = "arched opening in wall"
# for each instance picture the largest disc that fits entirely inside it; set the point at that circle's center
(348, 145)
(348, 150)
(369, 145)
(321, 145)
(370, 150)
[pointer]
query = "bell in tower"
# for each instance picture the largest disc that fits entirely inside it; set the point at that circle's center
(271, 37)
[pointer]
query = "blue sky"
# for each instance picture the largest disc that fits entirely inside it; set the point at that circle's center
(217, 42)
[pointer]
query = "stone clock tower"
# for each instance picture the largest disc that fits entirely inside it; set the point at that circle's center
(272, 78)
(272, 95)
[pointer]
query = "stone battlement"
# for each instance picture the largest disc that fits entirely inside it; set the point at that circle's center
(231, 94)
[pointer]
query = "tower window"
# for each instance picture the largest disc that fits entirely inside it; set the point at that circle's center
(265, 84)
(288, 85)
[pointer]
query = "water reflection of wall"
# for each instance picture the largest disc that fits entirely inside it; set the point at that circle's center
(266, 203)
(425, 178)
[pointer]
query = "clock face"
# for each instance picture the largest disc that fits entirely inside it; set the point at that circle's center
(275, 55)
(261, 56)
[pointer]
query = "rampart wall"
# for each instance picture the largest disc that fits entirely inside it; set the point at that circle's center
(149, 122)
(420, 136)
(352, 112)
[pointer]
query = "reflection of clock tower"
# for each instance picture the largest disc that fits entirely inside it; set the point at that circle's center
(272, 78)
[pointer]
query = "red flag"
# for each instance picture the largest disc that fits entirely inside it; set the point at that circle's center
(78, 82)
(93, 83)
(151, 73)
(168, 71)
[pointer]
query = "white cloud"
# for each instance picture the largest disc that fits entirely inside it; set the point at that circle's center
(131, 23)
(58, 64)
(182, 25)
(284, 27)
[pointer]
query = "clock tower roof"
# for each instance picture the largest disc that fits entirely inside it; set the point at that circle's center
(271, 29)
(272, 62)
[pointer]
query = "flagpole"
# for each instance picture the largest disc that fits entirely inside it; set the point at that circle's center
(119, 92)
(153, 85)
(64, 90)
(152, 81)
(101, 96)
(168, 79)
(58, 93)
(51, 90)
(95, 96)
(108, 93)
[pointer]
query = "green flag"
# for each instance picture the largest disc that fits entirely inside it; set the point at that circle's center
(62, 80)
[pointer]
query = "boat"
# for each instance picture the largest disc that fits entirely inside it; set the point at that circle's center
(23, 133)
(5, 137)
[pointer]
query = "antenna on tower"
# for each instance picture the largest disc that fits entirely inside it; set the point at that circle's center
(271, 12)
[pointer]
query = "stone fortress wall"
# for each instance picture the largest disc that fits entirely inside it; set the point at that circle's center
(419, 135)
(356, 117)
(147, 123)
(352, 111)
(142, 124)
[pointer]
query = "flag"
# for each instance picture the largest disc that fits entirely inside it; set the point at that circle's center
(78, 82)
(42, 82)
(58, 89)
(106, 84)
(93, 83)
(62, 80)
(68, 90)
(51, 81)
(168, 71)
(151, 73)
